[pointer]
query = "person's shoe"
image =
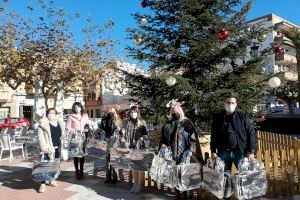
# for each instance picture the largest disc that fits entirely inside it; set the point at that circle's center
(114, 181)
(42, 188)
(108, 181)
(77, 175)
(81, 175)
(53, 183)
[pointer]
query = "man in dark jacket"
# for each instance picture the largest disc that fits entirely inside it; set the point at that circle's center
(232, 136)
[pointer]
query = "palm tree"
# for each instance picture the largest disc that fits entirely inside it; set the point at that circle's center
(293, 35)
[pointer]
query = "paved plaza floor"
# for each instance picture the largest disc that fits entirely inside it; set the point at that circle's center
(16, 182)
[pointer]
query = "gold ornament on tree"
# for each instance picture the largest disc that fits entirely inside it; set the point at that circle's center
(138, 41)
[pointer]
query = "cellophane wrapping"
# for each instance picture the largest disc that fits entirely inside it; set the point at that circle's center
(213, 177)
(45, 170)
(250, 181)
(189, 176)
(77, 145)
(163, 171)
(131, 159)
(120, 158)
(141, 159)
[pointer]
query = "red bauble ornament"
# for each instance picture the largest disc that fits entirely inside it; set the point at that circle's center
(223, 34)
(144, 4)
(278, 50)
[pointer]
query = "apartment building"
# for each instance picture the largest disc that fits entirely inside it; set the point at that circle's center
(111, 91)
(20, 102)
(284, 62)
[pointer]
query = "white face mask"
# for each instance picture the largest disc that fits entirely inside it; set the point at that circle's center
(133, 115)
(77, 109)
(230, 108)
(51, 117)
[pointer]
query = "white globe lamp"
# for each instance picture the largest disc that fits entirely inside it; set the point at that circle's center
(274, 82)
(144, 21)
(171, 81)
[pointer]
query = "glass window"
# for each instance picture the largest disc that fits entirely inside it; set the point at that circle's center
(93, 96)
(98, 113)
(92, 113)
(254, 51)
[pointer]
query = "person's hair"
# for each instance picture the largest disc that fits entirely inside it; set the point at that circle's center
(136, 109)
(230, 96)
(50, 109)
(116, 119)
(177, 108)
(79, 105)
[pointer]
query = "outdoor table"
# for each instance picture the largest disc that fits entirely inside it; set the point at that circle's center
(26, 139)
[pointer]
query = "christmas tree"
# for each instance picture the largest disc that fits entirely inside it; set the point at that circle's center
(203, 45)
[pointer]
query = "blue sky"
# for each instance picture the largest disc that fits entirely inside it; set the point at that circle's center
(120, 12)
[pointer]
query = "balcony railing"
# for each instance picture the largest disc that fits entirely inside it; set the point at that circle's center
(283, 40)
(285, 57)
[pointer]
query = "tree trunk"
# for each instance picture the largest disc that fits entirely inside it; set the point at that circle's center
(46, 98)
(39, 103)
(59, 100)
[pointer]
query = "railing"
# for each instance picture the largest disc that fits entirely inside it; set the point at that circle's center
(280, 154)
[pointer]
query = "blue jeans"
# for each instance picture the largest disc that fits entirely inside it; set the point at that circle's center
(231, 156)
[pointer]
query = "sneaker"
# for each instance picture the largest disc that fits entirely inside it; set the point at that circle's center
(42, 188)
(53, 183)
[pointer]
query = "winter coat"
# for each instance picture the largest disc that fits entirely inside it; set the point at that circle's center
(108, 126)
(73, 123)
(244, 131)
(168, 135)
(133, 132)
(44, 135)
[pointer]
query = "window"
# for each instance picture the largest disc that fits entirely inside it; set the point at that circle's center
(254, 51)
(89, 96)
(88, 112)
(92, 113)
(4, 111)
(98, 113)
(93, 96)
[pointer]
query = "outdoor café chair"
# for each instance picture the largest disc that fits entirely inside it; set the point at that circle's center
(7, 145)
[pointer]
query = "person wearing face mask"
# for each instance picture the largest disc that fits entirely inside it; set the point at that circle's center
(134, 132)
(170, 131)
(110, 124)
(50, 132)
(232, 136)
(179, 133)
(78, 123)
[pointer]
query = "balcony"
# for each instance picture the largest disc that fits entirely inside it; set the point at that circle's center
(284, 26)
(285, 58)
(291, 76)
(281, 39)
